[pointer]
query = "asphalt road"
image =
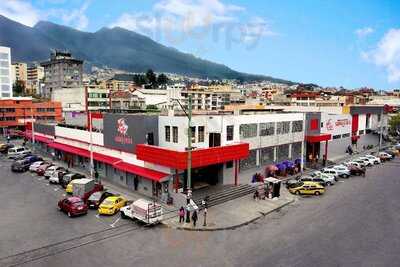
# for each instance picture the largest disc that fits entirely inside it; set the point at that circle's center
(356, 223)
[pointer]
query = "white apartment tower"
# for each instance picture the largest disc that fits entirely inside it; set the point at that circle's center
(5, 72)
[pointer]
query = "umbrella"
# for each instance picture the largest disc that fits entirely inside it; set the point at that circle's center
(271, 168)
(281, 166)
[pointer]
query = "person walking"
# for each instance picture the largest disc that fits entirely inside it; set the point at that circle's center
(194, 218)
(181, 215)
(205, 216)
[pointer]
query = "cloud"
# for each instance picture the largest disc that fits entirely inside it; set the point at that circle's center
(20, 11)
(363, 32)
(76, 17)
(255, 29)
(387, 54)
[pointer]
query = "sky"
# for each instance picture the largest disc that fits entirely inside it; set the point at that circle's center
(353, 43)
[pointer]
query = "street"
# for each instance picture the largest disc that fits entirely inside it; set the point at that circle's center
(356, 223)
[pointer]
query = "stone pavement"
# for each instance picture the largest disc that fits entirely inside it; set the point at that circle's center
(234, 213)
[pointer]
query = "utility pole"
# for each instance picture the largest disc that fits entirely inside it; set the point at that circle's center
(33, 130)
(302, 144)
(91, 145)
(381, 130)
(189, 159)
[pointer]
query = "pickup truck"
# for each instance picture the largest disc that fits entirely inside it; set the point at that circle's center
(143, 210)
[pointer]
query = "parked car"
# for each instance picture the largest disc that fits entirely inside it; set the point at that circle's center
(313, 179)
(369, 161)
(384, 156)
(331, 171)
(96, 188)
(4, 147)
(112, 205)
(292, 182)
(49, 171)
(390, 152)
(34, 166)
(20, 165)
(308, 188)
(361, 162)
(33, 158)
(356, 170)
(42, 168)
(328, 178)
(97, 198)
(342, 171)
(353, 163)
(73, 206)
(57, 175)
(66, 179)
(375, 160)
(16, 151)
(22, 156)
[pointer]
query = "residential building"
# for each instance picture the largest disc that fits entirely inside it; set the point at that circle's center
(123, 85)
(19, 72)
(35, 80)
(62, 71)
(16, 111)
(5, 72)
(154, 97)
(126, 100)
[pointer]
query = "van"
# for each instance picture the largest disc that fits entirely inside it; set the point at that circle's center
(16, 151)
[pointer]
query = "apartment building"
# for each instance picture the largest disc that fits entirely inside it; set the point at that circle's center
(5, 72)
(35, 76)
(19, 72)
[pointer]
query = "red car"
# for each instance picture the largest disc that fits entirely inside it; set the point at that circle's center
(73, 206)
(96, 188)
(41, 170)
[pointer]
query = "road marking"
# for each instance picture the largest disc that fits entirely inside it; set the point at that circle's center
(117, 220)
(341, 181)
(97, 216)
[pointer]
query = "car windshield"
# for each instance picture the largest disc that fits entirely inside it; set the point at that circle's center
(95, 196)
(108, 202)
(78, 203)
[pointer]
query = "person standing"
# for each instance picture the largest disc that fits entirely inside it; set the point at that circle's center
(181, 215)
(194, 217)
(205, 217)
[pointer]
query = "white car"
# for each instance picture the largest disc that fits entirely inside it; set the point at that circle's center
(52, 169)
(34, 166)
(329, 179)
(342, 171)
(331, 172)
(353, 163)
(55, 176)
(16, 151)
(374, 159)
(368, 162)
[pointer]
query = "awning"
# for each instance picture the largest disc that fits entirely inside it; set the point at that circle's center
(141, 171)
(85, 153)
(39, 138)
(318, 138)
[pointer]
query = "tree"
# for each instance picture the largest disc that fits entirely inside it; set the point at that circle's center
(18, 88)
(162, 79)
(151, 77)
(394, 124)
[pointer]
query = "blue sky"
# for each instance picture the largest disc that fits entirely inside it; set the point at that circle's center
(331, 43)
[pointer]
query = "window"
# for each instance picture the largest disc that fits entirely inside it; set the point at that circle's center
(267, 155)
(282, 127)
(345, 135)
(229, 164)
(267, 129)
(250, 161)
(167, 134)
(296, 150)
(4, 72)
(3, 56)
(314, 124)
(248, 130)
(200, 134)
(297, 126)
(193, 133)
(282, 152)
(379, 117)
(175, 134)
(229, 133)
(360, 132)
(338, 136)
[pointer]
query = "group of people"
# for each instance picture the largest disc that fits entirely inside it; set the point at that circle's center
(194, 216)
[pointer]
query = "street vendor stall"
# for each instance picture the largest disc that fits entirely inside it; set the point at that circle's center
(272, 187)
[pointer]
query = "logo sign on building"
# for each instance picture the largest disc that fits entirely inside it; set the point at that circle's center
(336, 123)
(124, 131)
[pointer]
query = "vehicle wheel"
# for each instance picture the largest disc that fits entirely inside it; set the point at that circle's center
(328, 183)
(346, 176)
(317, 193)
(69, 214)
(297, 192)
(59, 209)
(123, 216)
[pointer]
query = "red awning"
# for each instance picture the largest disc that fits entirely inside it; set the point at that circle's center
(318, 138)
(85, 153)
(141, 171)
(39, 138)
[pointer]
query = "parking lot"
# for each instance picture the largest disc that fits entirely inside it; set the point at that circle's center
(31, 217)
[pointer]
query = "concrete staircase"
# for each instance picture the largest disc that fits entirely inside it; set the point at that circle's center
(223, 195)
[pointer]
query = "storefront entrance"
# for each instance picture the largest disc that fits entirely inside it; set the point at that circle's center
(312, 151)
(205, 176)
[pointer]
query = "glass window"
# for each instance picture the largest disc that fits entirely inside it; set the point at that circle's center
(267, 128)
(229, 132)
(4, 64)
(4, 80)
(167, 133)
(193, 133)
(200, 133)
(3, 56)
(229, 164)
(248, 130)
(345, 135)
(267, 155)
(175, 134)
(5, 87)
(282, 127)
(250, 161)
(4, 72)
(297, 126)
(338, 136)
(282, 152)
(296, 150)
(361, 132)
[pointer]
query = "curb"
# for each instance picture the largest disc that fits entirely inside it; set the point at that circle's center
(233, 227)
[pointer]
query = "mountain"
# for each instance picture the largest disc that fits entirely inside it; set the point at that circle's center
(116, 47)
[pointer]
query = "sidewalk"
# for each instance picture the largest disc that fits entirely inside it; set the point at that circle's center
(234, 213)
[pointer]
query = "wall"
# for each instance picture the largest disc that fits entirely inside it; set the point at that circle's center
(79, 135)
(72, 99)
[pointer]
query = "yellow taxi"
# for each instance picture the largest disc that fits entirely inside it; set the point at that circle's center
(111, 205)
(69, 188)
(307, 188)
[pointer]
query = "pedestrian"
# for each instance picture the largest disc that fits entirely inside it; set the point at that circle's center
(8, 138)
(324, 160)
(181, 215)
(205, 217)
(194, 218)
(53, 155)
(256, 196)
(96, 175)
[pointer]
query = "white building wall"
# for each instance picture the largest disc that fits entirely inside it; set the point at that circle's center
(5, 72)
